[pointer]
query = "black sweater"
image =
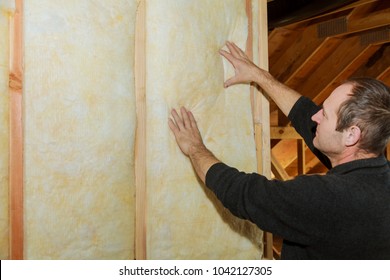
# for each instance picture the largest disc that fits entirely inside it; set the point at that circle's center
(344, 214)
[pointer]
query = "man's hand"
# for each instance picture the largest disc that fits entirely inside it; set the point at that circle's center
(190, 142)
(185, 130)
(245, 70)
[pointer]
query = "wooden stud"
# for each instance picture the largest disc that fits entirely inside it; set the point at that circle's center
(258, 52)
(261, 111)
(16, 134)
(261, 101)
(140, 141)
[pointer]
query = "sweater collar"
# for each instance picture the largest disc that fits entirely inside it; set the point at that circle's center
(378, 162)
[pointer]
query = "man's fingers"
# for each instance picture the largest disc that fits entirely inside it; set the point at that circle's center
(233, 49)
(184, 115)
(227, 55)
(192, 120)
(238, 50)
(178, 120)
(229, 82)
(173, 126)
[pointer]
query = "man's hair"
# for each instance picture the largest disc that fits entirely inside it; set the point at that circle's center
(369, 109)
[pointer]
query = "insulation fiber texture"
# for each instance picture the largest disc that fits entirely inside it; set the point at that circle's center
(79, 116)
(184, 68)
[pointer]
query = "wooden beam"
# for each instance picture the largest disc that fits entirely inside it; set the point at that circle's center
(365, 18)
(376, 65)
(347, 52)
(293, 63)
(361, 57)
(278, 39)
(140, 141)
(312, 61)
(294, 56)
(285, 152)
(385, 76)
(278, 170)
(284, 132)
(16, 134)
(261, 109)
(333, 13)
(260, 105)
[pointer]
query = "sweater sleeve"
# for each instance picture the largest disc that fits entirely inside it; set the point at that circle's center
(289, 209)
(300, 116)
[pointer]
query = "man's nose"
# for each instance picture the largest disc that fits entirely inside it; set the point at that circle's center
(317, 117)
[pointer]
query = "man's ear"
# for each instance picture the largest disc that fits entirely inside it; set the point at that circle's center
(353, 135)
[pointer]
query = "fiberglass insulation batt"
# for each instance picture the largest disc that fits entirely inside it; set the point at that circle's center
(184, 68)
(79, 114)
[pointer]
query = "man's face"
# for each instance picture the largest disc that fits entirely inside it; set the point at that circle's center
(327, 139)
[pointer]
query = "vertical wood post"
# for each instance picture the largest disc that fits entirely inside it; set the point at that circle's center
(16, 133)
(140, 141)
(257, 49)
(262, 121)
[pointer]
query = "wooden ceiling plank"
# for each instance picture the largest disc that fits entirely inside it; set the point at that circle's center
(348, 51)
(294, 54)
(278, 39)
(374, 20)
(377, 63)
(334, 63)
(346, 72)
(312, 61)
(362, 10)
(325, 16)
(293, 61)
(385, 76)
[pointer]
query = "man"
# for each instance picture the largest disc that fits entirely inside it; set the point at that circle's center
(344, 214)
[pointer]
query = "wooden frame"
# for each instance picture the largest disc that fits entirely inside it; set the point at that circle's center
(16, 133)
(258, 51)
